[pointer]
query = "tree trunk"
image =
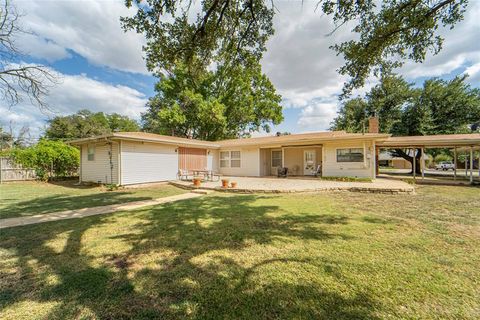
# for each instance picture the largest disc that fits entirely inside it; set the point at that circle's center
(404, 155)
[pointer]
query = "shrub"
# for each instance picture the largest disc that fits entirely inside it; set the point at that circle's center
(49, 159)
(442, 157)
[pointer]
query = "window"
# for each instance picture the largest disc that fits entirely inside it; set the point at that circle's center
(91, 153)
(350, 155)
(224, 159)
(235, 159)
(276, 158)
(230, 159)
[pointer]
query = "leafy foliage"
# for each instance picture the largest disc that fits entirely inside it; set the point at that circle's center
(49, 159)
(232, 30)
(439, 107)
(86, 124)
(212, 105)
(225, 30)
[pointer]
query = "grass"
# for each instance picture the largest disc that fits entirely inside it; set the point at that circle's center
(30, 198)
(302, 256)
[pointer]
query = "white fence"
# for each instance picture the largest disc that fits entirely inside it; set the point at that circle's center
(11, 171)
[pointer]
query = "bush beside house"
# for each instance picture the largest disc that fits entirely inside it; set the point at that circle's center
(49, 159)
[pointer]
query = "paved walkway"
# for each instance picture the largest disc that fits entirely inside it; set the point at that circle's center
(302, 184)
(86, 212)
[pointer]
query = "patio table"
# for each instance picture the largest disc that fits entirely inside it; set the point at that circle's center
(207, 174)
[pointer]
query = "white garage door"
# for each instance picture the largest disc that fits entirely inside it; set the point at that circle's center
(148, 162)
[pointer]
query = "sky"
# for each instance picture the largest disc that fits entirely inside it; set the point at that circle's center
(101, 68)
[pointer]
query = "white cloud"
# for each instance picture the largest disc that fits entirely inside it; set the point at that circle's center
(304, 69)
(89, 28)
(317, 116)
(474, 73)
(461, 49)
(73, 93)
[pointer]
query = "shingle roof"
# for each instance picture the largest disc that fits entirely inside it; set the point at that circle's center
(152, 137)
(384, 140)
(443, 140)
(299, 138)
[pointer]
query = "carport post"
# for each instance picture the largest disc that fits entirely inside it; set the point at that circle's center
(423, 165)
(454, 163)
(414, 164)
(471, 164)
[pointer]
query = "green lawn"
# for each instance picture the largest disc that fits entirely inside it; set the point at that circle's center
(30, 198)
(299, 256)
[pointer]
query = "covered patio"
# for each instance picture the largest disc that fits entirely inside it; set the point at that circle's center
(300, 184)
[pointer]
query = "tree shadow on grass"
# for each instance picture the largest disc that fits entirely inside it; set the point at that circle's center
(181, 264)
(55, 203)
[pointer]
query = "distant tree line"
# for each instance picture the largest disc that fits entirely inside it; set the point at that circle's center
(437, 107)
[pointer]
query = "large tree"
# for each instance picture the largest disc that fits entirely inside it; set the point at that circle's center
(211, 105)
(85, 123)
(383, 36)
(19, 81)
(439, 107)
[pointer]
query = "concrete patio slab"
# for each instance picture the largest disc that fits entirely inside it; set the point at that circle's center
(86, 212)
(289, 185)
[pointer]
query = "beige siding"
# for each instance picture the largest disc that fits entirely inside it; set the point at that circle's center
(148, 162)
(331, 167)
(99, 170)
(249, 163)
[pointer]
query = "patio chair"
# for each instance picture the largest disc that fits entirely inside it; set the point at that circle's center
(282, 172)
(318, 171)
(184, 175)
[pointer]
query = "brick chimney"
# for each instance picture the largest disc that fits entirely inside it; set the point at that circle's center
(373, 125)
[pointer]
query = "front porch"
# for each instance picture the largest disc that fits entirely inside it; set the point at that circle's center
(301, 161)
(300, 184)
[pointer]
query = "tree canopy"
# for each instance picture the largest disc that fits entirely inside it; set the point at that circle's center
(211, 105)
(383, 36)
(85, 123)
(438, 107)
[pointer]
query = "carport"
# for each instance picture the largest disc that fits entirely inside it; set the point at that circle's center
(467, 144)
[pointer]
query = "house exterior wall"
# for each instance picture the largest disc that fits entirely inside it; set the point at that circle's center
(99, 170)
(249, 163)
(401, 164)
(148, 162)
(332, 168)
(293, 160)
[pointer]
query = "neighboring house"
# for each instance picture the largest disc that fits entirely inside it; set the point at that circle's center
(136, 157)
(385, 159)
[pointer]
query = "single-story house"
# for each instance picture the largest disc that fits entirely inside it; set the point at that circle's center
(126, 158)
(386, 159)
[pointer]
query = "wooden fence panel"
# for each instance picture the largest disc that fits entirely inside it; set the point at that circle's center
(11, 171)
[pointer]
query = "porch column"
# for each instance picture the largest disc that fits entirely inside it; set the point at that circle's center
(454, 163)
(471, 164)
(283, 157)
(466, 163)
(414, 164)
(422, 161)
